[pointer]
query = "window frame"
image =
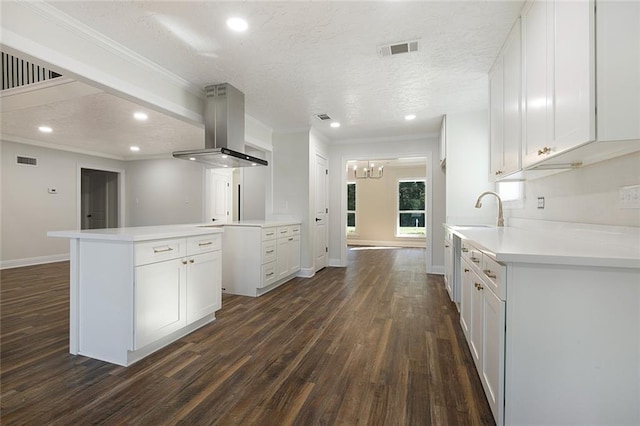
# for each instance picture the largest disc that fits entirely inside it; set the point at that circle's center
(355, 229)
(398, 211)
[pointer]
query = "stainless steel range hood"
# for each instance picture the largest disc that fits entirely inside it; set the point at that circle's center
(223, 131)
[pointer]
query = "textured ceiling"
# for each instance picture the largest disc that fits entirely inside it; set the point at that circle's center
(302, 58)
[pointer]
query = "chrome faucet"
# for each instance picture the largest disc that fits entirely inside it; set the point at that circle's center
(479, 204)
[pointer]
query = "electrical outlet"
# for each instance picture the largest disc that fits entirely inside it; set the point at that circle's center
(541, 202)
(630, 197)
(52, 190)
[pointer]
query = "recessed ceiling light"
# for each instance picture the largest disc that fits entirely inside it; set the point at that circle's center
(140, 116)
(335, 124)
(410, 117)
(223, 156)
(45, 129)
(134, 148)
(224, 165)
(237, 24)
(192, 158)
(253, 164)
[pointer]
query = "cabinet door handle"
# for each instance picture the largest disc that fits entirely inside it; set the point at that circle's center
(291, 239)
(544, 150)
(269, 274)
(475, 260)
(191, 261)
(465, 250)
(184, 262)
(466, 269)
(498, 172)
(205, 244)
(446, 245)
(164, 250)
(488, 273)
(478, 286)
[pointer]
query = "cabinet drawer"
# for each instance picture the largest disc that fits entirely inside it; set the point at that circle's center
(283, 231)
(203, 244)
(494, 276)
(269, 251)
(295, 229)
(268, 234)
(268, 274)
(159, 250)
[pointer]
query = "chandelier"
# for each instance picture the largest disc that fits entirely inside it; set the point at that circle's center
(370, 172)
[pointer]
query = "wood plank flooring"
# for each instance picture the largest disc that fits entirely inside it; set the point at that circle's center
(376, 343)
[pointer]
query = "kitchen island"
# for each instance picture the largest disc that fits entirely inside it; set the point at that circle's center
(135, 290)
(551, 313)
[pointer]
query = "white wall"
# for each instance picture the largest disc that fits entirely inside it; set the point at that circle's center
(419, 146)
(467, 173)
(586, 195)
(164, 192)
(377, 207)
(29, 211)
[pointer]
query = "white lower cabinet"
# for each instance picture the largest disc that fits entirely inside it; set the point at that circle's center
(259, 258)
(482, 317)
(170, 294)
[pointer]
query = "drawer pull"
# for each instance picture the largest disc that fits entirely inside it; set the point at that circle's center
(205, 244)
(488, 273)
(191, 261)
(465, 250)
(269, 274)
(475, 260)
(184, 262)
(291, 239)
(268, 234)
(466, 269)
(544, 150)
(296, 230)
(478, 286)
(164, 250)
(446, 245)
(270, 251)
(283, 232)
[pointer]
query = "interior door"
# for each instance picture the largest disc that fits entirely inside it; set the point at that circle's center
(97, 200)
(321, 212)
(218, 209)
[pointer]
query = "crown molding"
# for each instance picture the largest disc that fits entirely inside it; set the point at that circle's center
(82, 30)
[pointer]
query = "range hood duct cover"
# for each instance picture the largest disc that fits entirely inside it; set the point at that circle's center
(223, 130)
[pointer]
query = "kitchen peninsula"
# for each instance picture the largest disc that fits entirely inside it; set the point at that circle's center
(551, 314)
(135, 290)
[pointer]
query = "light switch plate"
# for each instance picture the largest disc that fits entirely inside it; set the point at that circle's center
(541, 202)
(630, 197)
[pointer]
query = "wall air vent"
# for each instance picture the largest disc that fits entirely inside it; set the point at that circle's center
(398, 48)
(26, 161)
(323, 117)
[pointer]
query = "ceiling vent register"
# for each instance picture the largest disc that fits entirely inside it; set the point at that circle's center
(26, 161)
(398, 48)
(323, 117)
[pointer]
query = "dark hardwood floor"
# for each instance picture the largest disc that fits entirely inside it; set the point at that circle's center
(375, 343)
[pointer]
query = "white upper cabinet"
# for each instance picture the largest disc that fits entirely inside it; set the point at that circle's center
(618, 70)
(505, 108)
(558, 78)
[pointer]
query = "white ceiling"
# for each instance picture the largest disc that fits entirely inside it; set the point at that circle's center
(297, 59)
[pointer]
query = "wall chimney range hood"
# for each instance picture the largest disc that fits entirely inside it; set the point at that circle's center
(223, 131)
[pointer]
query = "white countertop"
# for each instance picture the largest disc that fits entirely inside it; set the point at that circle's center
(264, 223)
(583, 245)
(139, 233)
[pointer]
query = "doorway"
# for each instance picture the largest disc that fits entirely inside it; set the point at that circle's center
(99, 199)
(320, 214)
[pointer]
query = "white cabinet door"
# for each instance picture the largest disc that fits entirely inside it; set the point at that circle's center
(559, 78)
(294, 254)
(282, 258)
(448, 267)
(496, 124)
(618, 70)
(204, 289)
(465, 298)
(160, 300)
(475, 337)
(493, 332)
(512, 107)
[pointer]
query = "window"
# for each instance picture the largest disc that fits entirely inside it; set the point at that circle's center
(411, 212)
(351, 208)
(511, 193)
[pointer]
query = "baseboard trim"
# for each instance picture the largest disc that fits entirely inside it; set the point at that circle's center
(306, 273)
(336, 263)
(29, 261)
(437, 269)
(404, 243)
